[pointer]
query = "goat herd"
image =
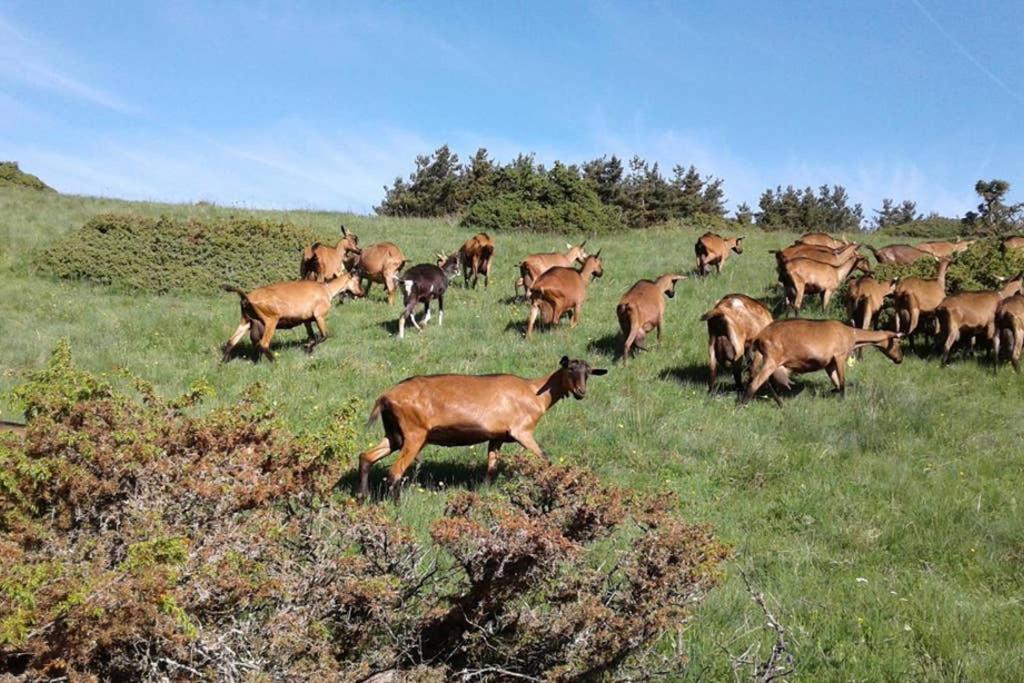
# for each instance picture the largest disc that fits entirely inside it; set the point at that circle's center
(461, 410)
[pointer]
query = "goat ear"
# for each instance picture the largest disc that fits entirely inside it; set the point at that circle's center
(568, 246)
(564, 362)
(598, 371)
(344, 231)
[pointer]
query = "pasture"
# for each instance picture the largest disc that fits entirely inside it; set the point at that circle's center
(884, 529)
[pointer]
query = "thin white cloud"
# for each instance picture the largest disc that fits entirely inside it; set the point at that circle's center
(27, 59)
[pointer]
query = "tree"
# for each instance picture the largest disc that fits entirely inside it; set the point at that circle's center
(891, 215)
(744, 216)
(994, 216)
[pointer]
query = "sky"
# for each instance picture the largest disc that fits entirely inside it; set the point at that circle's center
(319, 105)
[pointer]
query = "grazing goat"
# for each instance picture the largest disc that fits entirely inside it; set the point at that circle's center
(535, 265)
(915, 297)
(321, 262)
(821, 239)
(900, 254)
(642, 309)
(1010, 322)
(944, 249)
(285, 305)
(833, 257)
(462, 410)
(865, 298)
(734, 321)
(422, 284)
(1011, 243)
(800, 346)
(379, 262)
(971, 313)
(804, 275)
(560, 289)
(473, 258)
(713, 250)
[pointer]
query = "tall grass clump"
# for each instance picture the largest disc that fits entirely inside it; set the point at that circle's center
(144, 542)
(167, 253)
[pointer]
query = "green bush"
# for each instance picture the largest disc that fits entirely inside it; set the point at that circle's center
(168, 254)
(930, 227)
(512, 212)
(10, 174)
(143, 541)
(983, 266)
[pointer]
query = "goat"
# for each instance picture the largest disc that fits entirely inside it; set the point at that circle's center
(1010, 321)
(732, 323)
(832, 257)
(865, 298)
(900, 254)
(944, 249)
(321, 262)
(821, 239)
(804, 275)
(1012, 243)
(285, 305)
(915, 297)
(713, 250)
(642, 309)
(422, 284)
(535, 265)
(462, 410)
(972, 313)
(560, 289)
(473, 258)
(801, 346)
(379, 262)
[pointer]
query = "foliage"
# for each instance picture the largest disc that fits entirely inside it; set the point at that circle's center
(166, 254)
(524, 195)
(10, 174)
(932, 226)
(803, 210)
(142, 542)
(994, 216)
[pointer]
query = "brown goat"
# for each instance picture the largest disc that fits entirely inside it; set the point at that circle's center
(462, 410)
(801, 276)
(821, 239)
(945, 249)
(475, 256)
(865, 298)
(1011, 243)
(832, 257)
(321, 262)
(285, 305)
(713, 250)
(1010, 322)
(971, 313)
(900, 254)
(559, 290)
(734, 321)
(535, 265)
(642, 309)
(379, 262)
(915, 297)
(801, 346)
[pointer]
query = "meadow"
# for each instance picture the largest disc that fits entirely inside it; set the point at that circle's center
(883, 529)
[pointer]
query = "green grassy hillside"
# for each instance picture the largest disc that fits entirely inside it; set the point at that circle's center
(884, 529)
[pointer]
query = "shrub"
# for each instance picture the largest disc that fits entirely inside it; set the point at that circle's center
(143, 542)
(166, 254)
(10, 174)
(983, 266)
(930, 227)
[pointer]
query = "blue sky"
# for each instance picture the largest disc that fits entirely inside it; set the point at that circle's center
(318, 105)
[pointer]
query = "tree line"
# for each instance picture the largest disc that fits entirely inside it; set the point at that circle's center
(606, 194)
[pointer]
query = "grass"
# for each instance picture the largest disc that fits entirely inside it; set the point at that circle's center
(884, 529)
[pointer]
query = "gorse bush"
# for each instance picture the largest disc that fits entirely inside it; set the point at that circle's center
(933, 226)
(11, 174)
(142, 542)
(167, 254)
(983, 266)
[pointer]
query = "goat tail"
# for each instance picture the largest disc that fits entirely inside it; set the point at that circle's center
(626, 314)
(375, 413)
(237, 290)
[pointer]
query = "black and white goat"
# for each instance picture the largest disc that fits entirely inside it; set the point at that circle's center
(422, 284)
